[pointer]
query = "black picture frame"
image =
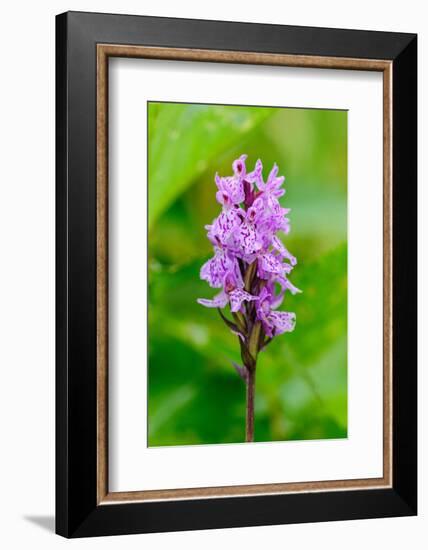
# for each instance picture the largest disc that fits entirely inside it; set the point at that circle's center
(77, 512)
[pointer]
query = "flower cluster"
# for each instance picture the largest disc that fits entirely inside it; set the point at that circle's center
(250, 263)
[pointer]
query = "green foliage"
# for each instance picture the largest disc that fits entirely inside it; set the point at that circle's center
(195, 395)
(183, 139)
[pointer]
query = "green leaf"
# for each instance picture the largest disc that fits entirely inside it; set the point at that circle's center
(165, 410)
(184, 139)
(321, 310)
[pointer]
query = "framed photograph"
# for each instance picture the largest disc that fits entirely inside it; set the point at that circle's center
(236, 274)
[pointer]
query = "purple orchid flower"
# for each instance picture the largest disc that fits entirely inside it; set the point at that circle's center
(232, 293)
(274, 322)
(215, 270)
(222, 229)
(250, 265)
(231, 189)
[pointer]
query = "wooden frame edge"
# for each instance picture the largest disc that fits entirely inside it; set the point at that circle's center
(102, 274)
(241, 57)
(104, 51)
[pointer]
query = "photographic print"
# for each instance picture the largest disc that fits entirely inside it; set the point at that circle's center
(234, 251)
(247, 274)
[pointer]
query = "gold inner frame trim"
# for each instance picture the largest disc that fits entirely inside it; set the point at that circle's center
(104, 51)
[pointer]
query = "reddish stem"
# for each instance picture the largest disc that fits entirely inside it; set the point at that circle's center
(251, 386)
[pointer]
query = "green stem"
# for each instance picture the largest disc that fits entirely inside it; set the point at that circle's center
(253, 343)
(240, 321)
(249, 276)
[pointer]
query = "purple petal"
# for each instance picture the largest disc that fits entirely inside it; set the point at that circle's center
(238, 296)
(276, 299)
(223, 198)
(267, 327)
(277, 244)
(205, 272)
(274, 182)
(264, 294)
(256, 175)
(273, 173)
(214, 270)
(263, 308)
(246, 239)
(272, 264)
(218, 301)
(222, 228)
(230, 190)
(283, 321)
(286, 284)
(239, 166)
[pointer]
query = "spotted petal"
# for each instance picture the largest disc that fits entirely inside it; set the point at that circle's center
(238, 296)
(270, 263)
(283, 321)
(223, 227)
(238, 166)
(230, 190)
(247, 240)
(214, 270)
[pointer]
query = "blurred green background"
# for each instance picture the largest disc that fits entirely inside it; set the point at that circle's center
(194, 393)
